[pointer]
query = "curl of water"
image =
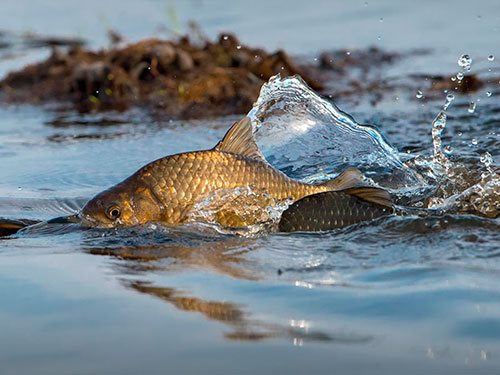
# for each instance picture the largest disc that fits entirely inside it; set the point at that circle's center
(308, 137)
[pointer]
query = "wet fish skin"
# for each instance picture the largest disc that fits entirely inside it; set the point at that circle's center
(11, 226)
(166, 189)
(330, 210)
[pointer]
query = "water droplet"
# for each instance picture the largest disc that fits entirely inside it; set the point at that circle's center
(488, 93)
(440, 121)
(449, 98)
(419, 94)
(225, 37)
(465, 61)
(491, 58)
(379, 37)
(474, 141)
(486, 159)
(478, 18)
(448, 149)
(472, 107)
(238, 47)
(19, 188)
(381, 19)
(366, 3)
(460, 134)
(348, 53)
(460, 76)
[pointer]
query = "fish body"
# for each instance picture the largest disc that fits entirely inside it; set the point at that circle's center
(175, 183)
(168, 189)
(331, 210)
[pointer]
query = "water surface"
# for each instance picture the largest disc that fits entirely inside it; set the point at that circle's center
(419, 293)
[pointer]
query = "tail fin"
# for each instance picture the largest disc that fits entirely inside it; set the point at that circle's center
(371, 195)
(350, 178)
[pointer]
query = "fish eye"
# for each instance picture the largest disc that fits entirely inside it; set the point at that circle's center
(113, 212)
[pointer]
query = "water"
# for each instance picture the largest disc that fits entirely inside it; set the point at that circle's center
(418, 292)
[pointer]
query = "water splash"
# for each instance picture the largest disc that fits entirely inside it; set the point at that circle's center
(243, 210)
(438, 126)
(459, 187)
(309, 138)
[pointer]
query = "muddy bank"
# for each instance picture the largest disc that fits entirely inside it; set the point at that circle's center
(182, 78)
(194, 78)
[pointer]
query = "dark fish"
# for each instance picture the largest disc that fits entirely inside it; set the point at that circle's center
(336, 209)
(9, 226)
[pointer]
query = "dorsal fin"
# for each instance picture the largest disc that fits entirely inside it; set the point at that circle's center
(351, 177)
(371, 194)
(239, 140)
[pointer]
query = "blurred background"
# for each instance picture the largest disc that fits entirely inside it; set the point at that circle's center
(451, 28)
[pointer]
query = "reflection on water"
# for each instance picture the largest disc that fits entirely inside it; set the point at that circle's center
(243, 327)
(181, 250)
(225, 256)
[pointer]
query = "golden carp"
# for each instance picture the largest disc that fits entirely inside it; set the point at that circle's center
(168, 189)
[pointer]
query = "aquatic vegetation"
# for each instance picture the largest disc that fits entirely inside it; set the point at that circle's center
(194, 77)
(183, 78)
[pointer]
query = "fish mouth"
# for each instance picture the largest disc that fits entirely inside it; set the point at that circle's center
(70, 219)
